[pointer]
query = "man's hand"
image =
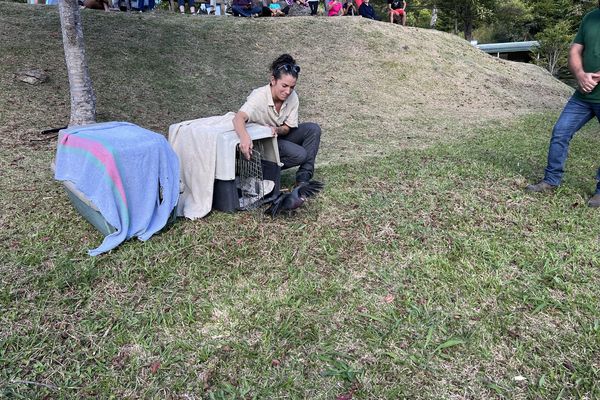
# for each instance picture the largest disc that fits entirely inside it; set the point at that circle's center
(587, 81)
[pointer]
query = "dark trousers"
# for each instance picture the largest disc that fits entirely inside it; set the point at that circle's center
(245, 12)
(299, 148)
(314, 6)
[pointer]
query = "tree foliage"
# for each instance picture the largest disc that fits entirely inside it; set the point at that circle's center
(554, 47)
(512, 21)
(464, 15)
(552, 22)
(498, 21)
(549, 12)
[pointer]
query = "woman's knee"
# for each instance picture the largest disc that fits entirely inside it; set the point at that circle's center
(297, 157)
(313, 127)
(291, 154)
(312, 130)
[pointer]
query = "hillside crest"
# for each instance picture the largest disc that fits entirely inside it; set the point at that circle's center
(371, 85)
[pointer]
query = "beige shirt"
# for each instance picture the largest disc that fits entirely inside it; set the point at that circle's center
(260, 108)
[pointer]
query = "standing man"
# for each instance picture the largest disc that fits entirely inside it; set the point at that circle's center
(584, 63)
(397, 8)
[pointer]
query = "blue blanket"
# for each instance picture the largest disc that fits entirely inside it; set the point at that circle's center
(129, 173)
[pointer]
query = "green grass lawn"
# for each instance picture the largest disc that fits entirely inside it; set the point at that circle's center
(424, 273)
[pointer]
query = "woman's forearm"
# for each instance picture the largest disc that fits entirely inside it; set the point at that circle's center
(282, 130)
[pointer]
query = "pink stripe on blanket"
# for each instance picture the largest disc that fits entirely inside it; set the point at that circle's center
(101, 154)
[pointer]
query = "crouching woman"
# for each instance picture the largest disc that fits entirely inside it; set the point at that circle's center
(276, 105)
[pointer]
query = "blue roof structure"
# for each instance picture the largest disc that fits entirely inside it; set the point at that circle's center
(511, 47)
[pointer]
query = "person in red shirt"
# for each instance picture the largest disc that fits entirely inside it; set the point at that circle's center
(397, 8)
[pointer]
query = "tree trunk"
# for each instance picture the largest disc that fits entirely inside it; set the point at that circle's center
(83, 99)
(468, 16)
(433, 20)
(468, 31)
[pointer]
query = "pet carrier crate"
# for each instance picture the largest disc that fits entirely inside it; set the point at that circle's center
(86, 208)
(242, 184)
(90, 212)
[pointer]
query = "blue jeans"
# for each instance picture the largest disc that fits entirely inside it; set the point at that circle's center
(246, 12)
(573, 117)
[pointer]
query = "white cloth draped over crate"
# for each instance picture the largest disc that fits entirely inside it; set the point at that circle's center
(206, 148)
(195, 143)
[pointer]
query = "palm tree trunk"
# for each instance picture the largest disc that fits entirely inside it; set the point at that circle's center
(83, 99)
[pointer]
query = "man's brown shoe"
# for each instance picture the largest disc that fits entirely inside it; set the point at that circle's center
(594, 201)
(540, 187)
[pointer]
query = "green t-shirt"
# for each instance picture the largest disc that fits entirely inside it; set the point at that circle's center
(588, 35)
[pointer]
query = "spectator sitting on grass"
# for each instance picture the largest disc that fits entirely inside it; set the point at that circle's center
(96, 5)
(275, 9)
(245, 8)
(141, 5)
(335, 8)
(182, 6)
(349, 8)
(298, 8)
(397, 8)
(366, 11)
(266, 10)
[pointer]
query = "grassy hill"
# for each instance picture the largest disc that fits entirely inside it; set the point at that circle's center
(370, 85)
(422, 272)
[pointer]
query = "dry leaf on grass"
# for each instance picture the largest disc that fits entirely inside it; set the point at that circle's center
(154, 367)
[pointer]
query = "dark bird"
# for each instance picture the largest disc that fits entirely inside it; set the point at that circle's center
(294, 199)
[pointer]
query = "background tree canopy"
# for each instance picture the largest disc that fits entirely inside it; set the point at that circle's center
(552, 22)
(498, 21)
